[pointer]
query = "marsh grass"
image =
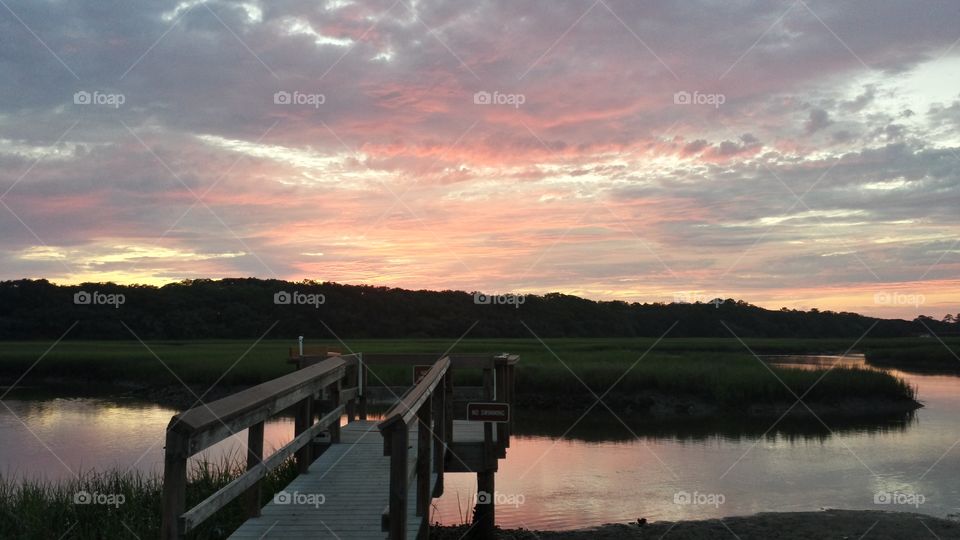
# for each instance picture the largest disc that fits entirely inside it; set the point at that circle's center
(929, 357)
(726, 379)
(718, 369)
(128, 504)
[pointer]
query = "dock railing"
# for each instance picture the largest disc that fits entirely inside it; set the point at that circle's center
(429, 406)
(199, 428)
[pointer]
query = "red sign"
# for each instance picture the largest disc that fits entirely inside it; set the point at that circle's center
(488, 412)
(419, 372)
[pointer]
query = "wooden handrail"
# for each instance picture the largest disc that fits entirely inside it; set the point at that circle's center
(406, 409)
(457, 360)
(209, 424)
(199, 428)
(425, 403)
(193, 517)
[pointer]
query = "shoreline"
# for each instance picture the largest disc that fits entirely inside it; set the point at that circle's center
(838, 524)
(650, 405)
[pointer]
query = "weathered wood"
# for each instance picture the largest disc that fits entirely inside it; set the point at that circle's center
(404, 410)
(335, 392)
(500, 374)
(448, 404)
(242, 483)
(415, 445)
(484, 514)
(174, 485)
(488, 426)
(348, 396)
(208, 424)
(439, 439)
(254, 458)
(424, 453)
(464, 360)
(301, 423)
(364, 376)
(398, 482)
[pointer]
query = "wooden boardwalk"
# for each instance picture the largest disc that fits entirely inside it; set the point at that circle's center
(350, 476)
(363, 480)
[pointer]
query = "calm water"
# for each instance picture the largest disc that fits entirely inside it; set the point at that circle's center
(598, 471)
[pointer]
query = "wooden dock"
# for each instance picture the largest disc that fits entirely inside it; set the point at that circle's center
(362, 480)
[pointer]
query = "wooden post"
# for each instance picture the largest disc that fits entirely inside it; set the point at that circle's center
(352, 402)
(398, 481)
(174, 485)
(423, 457)
(439, 437)
(334, 391)
(484, 514)
(511, 390)
(363, 388)
(488, 426)
(302, 421)
(254, 458)
(501, 378)
(448, 405)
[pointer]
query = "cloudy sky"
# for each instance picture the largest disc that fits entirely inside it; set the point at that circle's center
(789, 153)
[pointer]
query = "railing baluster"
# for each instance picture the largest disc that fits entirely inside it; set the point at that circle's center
(363, 387)
(174, 485)
(334, 392)
(398, 481)
(439, 436)
(352, 375)
(424, 453)
(448, 406)
(254, 458)
(302, 421)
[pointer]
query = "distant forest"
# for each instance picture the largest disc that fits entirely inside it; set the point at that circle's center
(246, 308)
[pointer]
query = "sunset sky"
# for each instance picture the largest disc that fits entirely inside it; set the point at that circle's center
(816, 164)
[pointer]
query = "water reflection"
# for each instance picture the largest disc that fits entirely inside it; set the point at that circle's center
(604, 426)
(61, 437)
(598, 471)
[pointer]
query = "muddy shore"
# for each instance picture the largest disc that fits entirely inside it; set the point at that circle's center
(825, 525)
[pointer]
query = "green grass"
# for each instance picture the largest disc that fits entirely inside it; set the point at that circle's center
(723, 370)
(929, 356)
(36, 509)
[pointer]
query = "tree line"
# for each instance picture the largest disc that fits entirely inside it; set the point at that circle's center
(247, 307)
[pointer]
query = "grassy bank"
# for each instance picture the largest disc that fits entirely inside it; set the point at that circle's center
(720, 371)
(118, 504)
(935, 356)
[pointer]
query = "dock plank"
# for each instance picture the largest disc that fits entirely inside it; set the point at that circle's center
(344, 492)
(342, 495)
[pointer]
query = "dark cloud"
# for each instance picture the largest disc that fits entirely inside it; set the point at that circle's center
(399, 132)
